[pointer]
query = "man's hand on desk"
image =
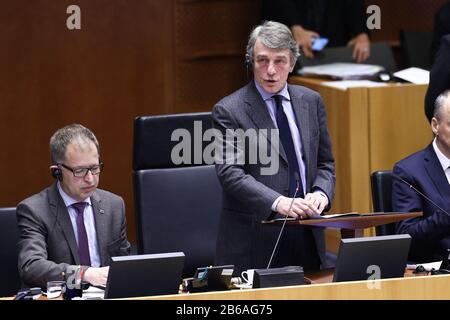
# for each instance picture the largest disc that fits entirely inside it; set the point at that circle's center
(312, 205)
(318, 199)
(96, 276)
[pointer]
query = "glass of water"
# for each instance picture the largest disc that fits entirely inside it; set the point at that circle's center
(55, 289)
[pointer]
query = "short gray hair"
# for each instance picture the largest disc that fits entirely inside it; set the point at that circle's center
(273, 35)
(64, 136)
(439, 103)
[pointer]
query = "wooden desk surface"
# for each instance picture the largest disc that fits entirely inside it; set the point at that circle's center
(408, 288)
(364, 220)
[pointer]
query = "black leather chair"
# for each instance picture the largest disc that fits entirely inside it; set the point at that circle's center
(9, 238)
(177, 206)
(416, 48)
(381, 54)
(381, 182)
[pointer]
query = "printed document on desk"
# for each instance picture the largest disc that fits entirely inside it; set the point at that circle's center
(414, 75)
(337, 215)
(340, 70)
(328, 216)
(345, 84)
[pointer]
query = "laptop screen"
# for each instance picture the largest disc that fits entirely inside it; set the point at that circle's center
(372, 258)
(144, 275)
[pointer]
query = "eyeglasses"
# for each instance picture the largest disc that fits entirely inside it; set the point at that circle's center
(82, 172)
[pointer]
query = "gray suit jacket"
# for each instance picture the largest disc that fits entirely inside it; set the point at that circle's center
(248, 195)
(47, 243)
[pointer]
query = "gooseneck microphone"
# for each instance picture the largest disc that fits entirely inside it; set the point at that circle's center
(420, 193)
(297, 180)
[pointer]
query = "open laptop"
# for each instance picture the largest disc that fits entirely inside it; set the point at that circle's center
(144, 275)
(372, 258)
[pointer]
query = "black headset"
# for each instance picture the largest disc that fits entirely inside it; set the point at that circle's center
(57, 174)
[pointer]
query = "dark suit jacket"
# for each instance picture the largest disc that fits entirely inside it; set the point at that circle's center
(439, 76)
(441, 27)
(430, 233)
(47, 243)
(248, 195)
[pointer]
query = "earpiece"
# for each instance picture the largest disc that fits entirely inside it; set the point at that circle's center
(248, 62)
(56, 173)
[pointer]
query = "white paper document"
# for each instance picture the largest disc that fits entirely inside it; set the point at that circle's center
(342, 70)
(345, 84)
(414, 75)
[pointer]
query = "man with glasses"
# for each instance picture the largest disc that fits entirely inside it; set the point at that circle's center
(71, 229)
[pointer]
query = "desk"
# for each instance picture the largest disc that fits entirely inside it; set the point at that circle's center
(419, 287)
(370, 129)
(351, 226)
(410, 287)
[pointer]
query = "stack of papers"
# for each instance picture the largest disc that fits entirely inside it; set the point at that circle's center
(345, 84)
(342, 70)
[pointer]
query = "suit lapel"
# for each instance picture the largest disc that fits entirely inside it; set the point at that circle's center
(436, 173)
(100, 226)
(59, 210)
(257, 111)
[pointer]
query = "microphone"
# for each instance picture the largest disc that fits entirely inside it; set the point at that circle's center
(297, 180)
(420, 193)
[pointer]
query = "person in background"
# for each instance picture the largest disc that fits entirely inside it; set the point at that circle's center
(439, 76)
(441, 28)
(342, 22)
(71, 227)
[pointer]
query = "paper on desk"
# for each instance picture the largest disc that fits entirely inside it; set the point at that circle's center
(345, 84)
(336, 215)
(341, 70)
(93, 293)
(414, 75)
(428, 266)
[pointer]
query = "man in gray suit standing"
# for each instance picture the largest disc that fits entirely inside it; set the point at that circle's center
(71, 227)
(306, 163)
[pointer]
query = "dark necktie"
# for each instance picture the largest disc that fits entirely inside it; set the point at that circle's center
(288, 146)
(83, 244)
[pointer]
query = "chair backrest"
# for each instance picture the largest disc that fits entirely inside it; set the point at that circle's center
(416, 48)
(381, 182)
(177, 206)
(9, 238)
(381, 54)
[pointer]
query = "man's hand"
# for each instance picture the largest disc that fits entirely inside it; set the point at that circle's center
(301, 208)
(318, 200)
(361, 47)
(96, 276)
(304, 39)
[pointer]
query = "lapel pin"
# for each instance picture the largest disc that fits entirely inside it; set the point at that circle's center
(101, 211)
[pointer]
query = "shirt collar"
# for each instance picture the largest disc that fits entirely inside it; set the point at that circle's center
(68, 200)
(267, 95)
(445, 162)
